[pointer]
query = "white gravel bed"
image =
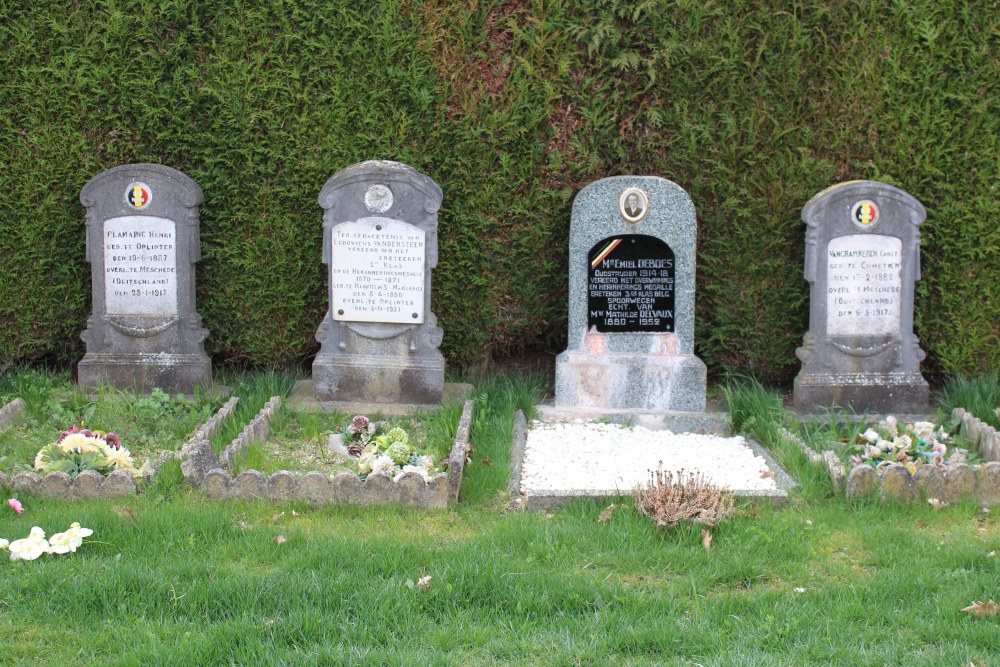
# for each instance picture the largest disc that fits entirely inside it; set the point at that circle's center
(581, 457)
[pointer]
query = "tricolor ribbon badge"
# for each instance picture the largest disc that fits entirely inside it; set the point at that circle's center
(604, 253)
(865, 213)
(138, 195)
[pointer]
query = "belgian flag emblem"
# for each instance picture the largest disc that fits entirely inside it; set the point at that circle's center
(865, 213)
(138, 195)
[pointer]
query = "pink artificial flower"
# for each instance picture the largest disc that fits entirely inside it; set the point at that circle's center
(72, 429)
(358, 424)
(15, 505)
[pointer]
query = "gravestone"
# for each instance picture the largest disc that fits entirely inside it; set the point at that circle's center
(379, 339)
(142, 244)
(631, 300)
(862, 259)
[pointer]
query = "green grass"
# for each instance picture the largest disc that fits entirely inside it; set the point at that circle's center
(298, 440)
(254, 389)
(978, 396)
(145, 424)
(169, 578)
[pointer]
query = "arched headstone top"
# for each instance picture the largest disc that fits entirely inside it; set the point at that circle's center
(184, 190)
(388, 175)
(845, 196)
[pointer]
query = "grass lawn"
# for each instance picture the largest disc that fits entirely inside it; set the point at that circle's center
(169, 578)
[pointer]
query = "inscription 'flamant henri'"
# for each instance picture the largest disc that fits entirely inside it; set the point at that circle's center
(140, 264)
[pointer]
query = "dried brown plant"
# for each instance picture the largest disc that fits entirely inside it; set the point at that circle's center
(668, 501)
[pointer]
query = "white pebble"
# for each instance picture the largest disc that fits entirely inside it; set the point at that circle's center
(599, 457)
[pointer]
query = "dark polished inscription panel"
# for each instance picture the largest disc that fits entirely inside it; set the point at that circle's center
(630, 285)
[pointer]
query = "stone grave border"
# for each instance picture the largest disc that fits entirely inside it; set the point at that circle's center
(895, 482)
(213, 474)
(548, 501)
(91, 484)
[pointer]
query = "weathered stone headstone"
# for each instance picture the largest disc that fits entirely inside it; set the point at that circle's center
(631, 299)
(379, 339)
(862, 259)
(142, 243)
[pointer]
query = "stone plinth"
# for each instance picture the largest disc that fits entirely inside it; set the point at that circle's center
(142, 244)
(862, 259)
(631, 300)
(379, 339)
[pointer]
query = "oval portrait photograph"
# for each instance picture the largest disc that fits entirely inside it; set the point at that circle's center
(633, 204)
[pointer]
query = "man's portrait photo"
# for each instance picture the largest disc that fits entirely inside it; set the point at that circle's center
(633, 204)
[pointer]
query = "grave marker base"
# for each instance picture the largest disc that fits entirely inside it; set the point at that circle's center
(630, 381)
(891, 393)
(173, 373)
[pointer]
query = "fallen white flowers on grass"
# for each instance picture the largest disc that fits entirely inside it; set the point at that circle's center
(35, 544)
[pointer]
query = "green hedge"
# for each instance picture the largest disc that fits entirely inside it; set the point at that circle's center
(512, 108)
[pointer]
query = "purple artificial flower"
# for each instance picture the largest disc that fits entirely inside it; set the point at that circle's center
(113, 441)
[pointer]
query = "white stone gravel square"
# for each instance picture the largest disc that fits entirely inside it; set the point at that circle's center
(587, 457)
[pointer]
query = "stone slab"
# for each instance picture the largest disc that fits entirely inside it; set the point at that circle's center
(379, 338)
(303, 399)
(862, 258)
(142, 242)
(548, 500)
(713, 423)
(632, 257)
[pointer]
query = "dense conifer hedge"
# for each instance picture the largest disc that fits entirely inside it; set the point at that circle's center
(511, 107)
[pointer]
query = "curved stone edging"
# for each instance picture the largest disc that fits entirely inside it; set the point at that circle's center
(951, 485)
(459, 450)
(12, 413)
(256, 431)
(88, 484)
(315, 488)
(203, 469)
(979, 432)
(91, 484)
(209, 428)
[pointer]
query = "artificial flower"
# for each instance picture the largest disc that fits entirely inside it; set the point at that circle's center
(4, 543)
(399, 452)
(365, 463)
(359, 424)
(383, 465)
(30, 547)
(420, 470)
(15, 505)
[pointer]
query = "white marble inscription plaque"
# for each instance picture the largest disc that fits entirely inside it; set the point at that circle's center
(140, 266)
(863, 285)
(377, 271)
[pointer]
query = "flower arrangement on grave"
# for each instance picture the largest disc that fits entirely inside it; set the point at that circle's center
(79, 449)
(912, 445)
(385, 451)
(35, 544)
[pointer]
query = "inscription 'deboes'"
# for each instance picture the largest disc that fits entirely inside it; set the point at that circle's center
(140, 266)
(630, 285)
(377, 271)
(863, 285)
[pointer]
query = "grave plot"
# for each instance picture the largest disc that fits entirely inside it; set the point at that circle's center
(59, 442)
(284, 454)
(906, 460)
(556, 462)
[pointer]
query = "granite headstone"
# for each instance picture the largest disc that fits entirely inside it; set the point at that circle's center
(631, 299)
(379, 339)
(142, 245)
(862, 258)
